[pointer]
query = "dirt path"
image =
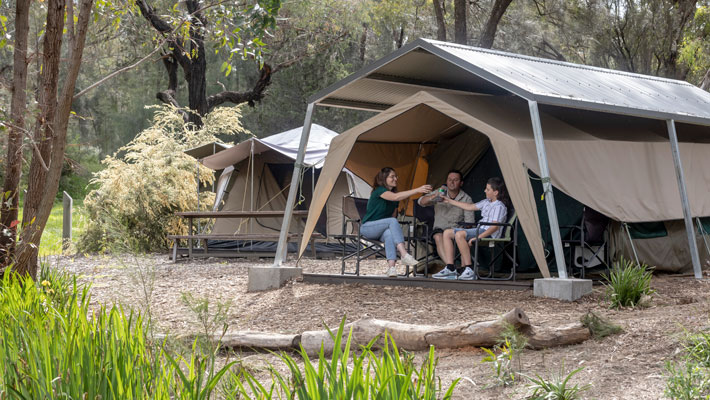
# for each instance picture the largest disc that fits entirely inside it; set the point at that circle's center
(624, 366)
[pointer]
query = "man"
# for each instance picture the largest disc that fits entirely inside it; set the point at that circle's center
(445, 215)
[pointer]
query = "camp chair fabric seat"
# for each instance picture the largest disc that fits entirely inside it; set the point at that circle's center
(590, 235)
(354, 209)
(507, 243)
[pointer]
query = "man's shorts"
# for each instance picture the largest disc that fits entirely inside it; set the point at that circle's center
(435, 231)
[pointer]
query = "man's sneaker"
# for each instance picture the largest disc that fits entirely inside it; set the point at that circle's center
(392, 272)
(445, 274)
(408, 259)
(467, 275)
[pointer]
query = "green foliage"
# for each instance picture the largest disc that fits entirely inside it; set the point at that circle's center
(690, 378)
(513, 338)
(500, 359)
(349, 375)
(151, 178)
(687, 381)
(555, 388)
(599, 326)
(210, 320)
(55, 346)
(697, 348)
(627, 283)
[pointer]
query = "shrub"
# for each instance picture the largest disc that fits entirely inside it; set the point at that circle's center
(687, 381)
(500, 359)
(627, 283)
(149, 179)
(555, 388)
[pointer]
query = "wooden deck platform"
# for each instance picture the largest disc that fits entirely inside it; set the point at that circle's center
(417, 282)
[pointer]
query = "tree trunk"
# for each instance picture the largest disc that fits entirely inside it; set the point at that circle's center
(46, 170)
(18, 107)
(363, 41)
(460, 21)
(440, 21)
(414, 337)
(197, 81)
(43, 137)
(489, 31)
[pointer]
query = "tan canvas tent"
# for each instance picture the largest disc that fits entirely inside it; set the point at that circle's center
(633, 147)
(629, 180)
(248, 181)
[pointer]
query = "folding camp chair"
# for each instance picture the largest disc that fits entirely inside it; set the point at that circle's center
(354, 209)
(421, 238)
(506, 246)
(590, 237)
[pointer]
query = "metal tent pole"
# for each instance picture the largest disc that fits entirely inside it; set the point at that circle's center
(281, 249)
(684, 200)
(631, 242)
(251, 201)
(547, 189)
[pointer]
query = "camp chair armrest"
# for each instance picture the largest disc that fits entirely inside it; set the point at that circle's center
(490, 239)
(493, 224)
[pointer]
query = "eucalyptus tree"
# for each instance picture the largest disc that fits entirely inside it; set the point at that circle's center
(185, 29)
(54, 95)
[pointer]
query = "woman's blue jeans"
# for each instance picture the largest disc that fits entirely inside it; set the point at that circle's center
(386, 230)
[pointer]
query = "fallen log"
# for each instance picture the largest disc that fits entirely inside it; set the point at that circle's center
(413, 337)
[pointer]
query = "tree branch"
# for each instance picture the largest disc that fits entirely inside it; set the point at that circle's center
(256, 94)
(117, 72)
(164, 28)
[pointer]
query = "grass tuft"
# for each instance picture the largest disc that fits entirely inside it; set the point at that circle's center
(627, 283)
(556, 387)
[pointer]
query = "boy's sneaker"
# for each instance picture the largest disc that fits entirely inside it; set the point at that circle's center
(408, 259)
(467, 275)
(445, 274)
(392, 272)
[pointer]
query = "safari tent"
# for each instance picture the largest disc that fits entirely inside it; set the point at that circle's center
(635, 148)
(256, 175)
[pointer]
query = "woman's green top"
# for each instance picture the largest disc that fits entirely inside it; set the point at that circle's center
(377, 207)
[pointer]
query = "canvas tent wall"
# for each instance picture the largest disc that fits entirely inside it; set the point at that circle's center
(256, 176)
(579, 110)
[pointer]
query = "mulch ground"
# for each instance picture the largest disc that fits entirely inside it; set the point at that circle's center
(629, 365)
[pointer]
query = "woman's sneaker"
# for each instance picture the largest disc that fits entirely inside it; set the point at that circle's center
(445, 274)
(467, 275)
(392, 272)
(408, 259)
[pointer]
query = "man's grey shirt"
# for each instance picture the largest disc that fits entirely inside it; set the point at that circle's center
(448, 216)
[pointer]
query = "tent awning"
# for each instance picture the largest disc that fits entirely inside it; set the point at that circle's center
(285, 143)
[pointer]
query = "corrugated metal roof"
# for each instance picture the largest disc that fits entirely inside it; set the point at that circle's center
(545, 81)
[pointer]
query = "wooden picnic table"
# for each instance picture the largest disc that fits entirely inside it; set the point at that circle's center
(191, 215)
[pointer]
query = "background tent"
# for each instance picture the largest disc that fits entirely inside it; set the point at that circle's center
(629, 180)
(257, 174)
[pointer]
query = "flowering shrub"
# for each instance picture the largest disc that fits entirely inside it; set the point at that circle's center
(146, 181)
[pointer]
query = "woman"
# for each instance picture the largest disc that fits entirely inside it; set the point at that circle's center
(379, 222)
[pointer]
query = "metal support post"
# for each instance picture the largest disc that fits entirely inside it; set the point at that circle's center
(67, 203)
(695, 257)
(282, 248)
(547, 189)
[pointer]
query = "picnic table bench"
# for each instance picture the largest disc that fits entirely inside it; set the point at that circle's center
(191, 215)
